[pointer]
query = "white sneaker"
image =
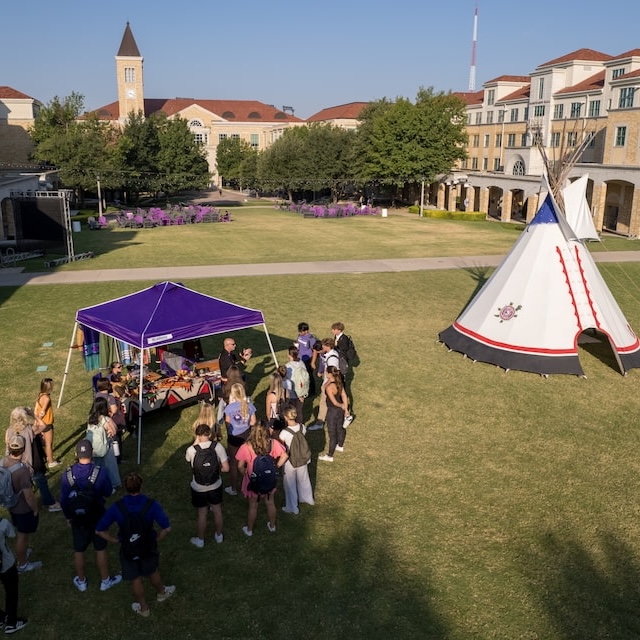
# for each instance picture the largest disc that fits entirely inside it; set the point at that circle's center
(339, 448)
(169, 590)
(29, 566)
(271, 527)
(51, 465)
(294, 511)
(137, 608)
(347, 421)
(81, 585)
(325, 458)
(110, 581)
(55, 507)
(231, 491)
(316, 426)
(218, 537)
(197, 542)
(247, 532)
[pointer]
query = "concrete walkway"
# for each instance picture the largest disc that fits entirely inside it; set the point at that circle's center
(15, 277)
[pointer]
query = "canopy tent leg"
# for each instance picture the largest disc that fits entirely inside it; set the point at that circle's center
(140, 383)
(273, 353)
(66, 367)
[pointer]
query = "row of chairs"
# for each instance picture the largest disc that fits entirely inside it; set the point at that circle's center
(159, 218)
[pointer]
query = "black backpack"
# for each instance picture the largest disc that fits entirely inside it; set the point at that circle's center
(299, 451)
(264, 477)
(83, 503)
(137, 537)
(206, 466)
(348, 355)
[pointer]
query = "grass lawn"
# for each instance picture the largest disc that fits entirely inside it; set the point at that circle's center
(469, 503)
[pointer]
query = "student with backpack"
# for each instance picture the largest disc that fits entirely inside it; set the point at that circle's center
(297, 381)
(16, 494)
(207, 460)
(83, 489)
(259, 459)
(9, 579)
(297, 485)
(135, 515)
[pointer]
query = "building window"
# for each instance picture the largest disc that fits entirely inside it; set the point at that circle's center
(468, 118)
(576, 108)
(523, 140)
(536, 137)
(558, 111)
(476, 141)
(572, 138)
(594, 108)
(489, 117)
(511, 140)
(222, 136)
(526, 113)
(514, 115)
(129, 74)
(591, 136)
(195, 123)
(501, 115)
(621, 136)
(201, 138)
(235, 136)
(491, 96)
(626, 98)
(541, 89)
(474, 163)
(496, 164)
(485, 164)
(617, 73)
(538, 111)
(555, 139)
(486, 140)
(498, 140)
(255, 140)
(518, 168)
(478, 118)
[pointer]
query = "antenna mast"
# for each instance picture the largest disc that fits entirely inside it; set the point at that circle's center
(474, 42)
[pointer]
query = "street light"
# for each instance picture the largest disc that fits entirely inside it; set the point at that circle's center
(99, 197)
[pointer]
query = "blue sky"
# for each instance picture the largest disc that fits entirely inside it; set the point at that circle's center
(308, 55)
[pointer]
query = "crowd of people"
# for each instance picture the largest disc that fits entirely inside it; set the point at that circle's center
(258, 450)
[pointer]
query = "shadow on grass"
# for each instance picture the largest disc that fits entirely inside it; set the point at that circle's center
(587, 592)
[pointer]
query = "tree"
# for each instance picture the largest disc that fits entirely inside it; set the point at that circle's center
(230, 155)
(56, 118)
(281, 166)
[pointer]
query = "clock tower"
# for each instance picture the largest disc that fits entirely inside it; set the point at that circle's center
(129, 74)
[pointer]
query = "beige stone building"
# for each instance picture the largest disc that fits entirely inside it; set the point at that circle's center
(210, 121)
(344, 115)
(17, 113)
(584, 93)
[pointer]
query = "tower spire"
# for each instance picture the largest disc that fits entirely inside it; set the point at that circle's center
(474, 41)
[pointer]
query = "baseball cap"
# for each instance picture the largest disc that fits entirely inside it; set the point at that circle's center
(84, 449)
(16, 443)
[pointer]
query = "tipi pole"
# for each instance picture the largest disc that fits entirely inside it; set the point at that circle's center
(66, 367)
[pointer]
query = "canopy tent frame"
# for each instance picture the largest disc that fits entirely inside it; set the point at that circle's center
(154, 329)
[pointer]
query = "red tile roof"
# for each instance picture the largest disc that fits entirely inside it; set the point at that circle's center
(593, 83)
(232, 110)
(11, 93)
(628, 54)
(470, 97)
(581, 54)
(349, 111)
(519, 94)
(509, 79)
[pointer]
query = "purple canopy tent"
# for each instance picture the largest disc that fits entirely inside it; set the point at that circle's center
(162, 314)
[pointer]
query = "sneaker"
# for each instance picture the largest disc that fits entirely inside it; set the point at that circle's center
(316, 426)
(339, 448)
(51, 465)
(137, 608)
(110, 581)
(271, 527)
(294, 511)
(247, 532)
(81, 585)
(347, 421)
(169, 590)
(29, 566)
(231, 491)
(197, 542)
(12, 628)
(325, 458)
(55, 507)
(219, 537)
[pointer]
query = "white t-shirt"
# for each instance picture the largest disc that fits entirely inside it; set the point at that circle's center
(222, 457)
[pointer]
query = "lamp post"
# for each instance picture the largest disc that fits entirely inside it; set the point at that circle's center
(422, 198)
(99, 197)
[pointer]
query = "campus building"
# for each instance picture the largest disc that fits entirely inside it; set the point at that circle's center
(585, 93)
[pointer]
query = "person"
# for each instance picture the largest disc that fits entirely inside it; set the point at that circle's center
(83, 489)
(205, 416)
(23, 421)
(296, 381)
(118, 383)
(275, 401)
(24, 514)
(116, 413)
(228, 357)
(240, 415)
(234, 376)
(297, 485)
(305, 342)
(337, 409)
(9, 579)
(206, 482)
(139, 555)
(101, 432)
(328, 358)
(43, 409)
(259, 444)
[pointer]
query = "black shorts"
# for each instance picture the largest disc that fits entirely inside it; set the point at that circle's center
(238, 441)
(132, 569)
(201, 499)
(25, 522)
(84, 536)
(47, 427)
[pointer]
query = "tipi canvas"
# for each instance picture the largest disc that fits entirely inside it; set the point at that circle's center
(531, 312)
(577, 209)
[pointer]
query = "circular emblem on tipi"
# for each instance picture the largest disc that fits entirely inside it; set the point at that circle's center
(507, 312)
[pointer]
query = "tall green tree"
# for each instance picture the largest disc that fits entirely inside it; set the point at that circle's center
(231, 155)
(281, 166)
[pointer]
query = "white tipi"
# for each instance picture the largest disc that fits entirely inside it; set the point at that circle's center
(577, 211)
(532, 311)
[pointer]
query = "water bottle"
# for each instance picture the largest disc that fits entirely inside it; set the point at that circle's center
(116, 448)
